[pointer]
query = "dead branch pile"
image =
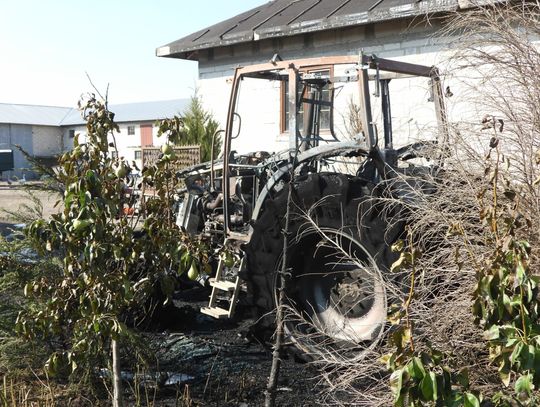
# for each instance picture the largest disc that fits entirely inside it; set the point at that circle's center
(497, 63)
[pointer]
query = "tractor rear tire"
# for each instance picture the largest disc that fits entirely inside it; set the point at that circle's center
(338, 256)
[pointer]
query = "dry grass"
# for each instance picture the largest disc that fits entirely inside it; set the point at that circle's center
(498, 63)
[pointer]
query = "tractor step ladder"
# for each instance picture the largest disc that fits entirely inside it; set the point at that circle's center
(219, 284)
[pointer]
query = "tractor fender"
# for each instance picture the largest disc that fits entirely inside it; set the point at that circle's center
(345, 148)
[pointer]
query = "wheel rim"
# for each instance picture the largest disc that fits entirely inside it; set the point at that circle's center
(338, 287)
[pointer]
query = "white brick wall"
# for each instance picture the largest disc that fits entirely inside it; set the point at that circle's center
(66, 135)
(260, 105)
(127, 143)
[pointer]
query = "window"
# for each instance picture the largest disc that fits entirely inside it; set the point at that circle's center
(131, 130)
(325, 110)
(138, 154)
(285, 109)
(72, 134)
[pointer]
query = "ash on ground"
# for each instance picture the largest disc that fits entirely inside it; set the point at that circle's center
(209, 362)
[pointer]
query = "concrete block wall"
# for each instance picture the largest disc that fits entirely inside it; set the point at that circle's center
(46, 140)
(260, 107)
(67, 140)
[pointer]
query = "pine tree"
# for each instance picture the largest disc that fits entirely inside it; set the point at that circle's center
(199, 128)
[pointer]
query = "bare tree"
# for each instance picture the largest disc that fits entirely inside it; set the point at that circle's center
(496, 63)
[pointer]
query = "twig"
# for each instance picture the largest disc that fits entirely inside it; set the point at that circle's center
(270, 394)
(211, 370)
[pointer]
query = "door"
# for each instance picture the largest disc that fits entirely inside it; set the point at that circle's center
(146, 135)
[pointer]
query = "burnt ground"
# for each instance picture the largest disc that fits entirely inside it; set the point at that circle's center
(217, 363)
(221, 363)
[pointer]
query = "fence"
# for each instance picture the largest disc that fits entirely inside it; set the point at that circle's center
(187, 156)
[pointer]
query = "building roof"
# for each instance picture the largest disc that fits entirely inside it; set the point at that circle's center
(32, 114)
(67, 116)
(281, 18)
(136, 112)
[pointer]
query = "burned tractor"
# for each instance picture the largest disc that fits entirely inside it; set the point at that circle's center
(339, 239)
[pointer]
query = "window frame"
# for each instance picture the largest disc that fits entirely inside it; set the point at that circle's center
(283, 122)
(131, 130)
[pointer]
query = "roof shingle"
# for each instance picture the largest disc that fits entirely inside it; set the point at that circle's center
(281, 18)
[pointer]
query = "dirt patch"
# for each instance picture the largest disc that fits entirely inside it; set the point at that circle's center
(14, 197)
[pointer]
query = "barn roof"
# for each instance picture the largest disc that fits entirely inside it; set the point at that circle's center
(66, 116)
(136, 112)
(32, 114)
(281, 18)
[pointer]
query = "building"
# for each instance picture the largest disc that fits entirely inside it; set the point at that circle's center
(45, 132)
(396, 29)
(36, 129)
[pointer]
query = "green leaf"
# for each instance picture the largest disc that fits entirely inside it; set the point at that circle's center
(455, 400)
(396, 383)
(484, 286)
(395, 317)
(524, 384)
(471, 400)
(516, 352)
(497, 398)
(524, 246)
(463, 377)
(529, 293)
(167, 285)
(536, 368)
(527, 357)
(520, 273)
(444, 383)
(396, 338)
(535, 280)
(416, 368)
(505, 371)
(507, 303)
(492, 333)
(436, 355)
(428, 386)
(51, 366)
(384, 359)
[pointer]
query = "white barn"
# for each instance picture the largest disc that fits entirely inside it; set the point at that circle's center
(45, 132)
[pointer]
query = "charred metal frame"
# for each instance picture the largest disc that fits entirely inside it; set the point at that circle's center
(291, 70)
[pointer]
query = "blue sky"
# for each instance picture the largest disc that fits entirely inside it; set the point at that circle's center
(47, 47)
